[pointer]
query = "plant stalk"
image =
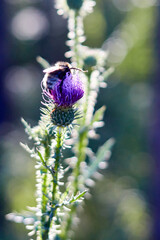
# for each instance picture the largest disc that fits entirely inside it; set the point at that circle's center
(55, 170)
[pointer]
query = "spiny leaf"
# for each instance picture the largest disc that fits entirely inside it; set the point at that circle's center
(98, 115)
(22, 218)
(77, 197)
(103, 154)
(40, 156)
(43, 62)
(107, 73)
(25, 147)
(30, 151)
(29, 130)
(72, 200)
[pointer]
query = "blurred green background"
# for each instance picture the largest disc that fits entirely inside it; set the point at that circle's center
(125, 204)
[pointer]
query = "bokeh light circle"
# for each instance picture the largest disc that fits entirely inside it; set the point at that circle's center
(29, 24)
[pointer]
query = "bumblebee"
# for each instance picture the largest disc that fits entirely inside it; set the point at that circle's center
(56, 73)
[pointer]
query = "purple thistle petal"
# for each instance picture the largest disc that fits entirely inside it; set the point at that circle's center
(66, 92)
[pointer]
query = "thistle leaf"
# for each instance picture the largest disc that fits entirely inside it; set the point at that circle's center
(25, 147)
(77, 197)
(29, 130)
(73, 199)
(103, 154)
(107, 73)
(41, 158)
(26, 218)
(44, 64)
(98, 115)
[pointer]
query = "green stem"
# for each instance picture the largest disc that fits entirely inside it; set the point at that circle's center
(76, 40)
(52, 213)
(44, 188)
(57, 163)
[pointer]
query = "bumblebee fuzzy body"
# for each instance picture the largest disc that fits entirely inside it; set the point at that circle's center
(56, 73)
(61, 86)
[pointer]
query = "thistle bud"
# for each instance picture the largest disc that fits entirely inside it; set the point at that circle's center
(63, 116)
(89, 62)
(75, 4)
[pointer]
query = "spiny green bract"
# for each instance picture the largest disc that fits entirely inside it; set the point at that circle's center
(63, 116)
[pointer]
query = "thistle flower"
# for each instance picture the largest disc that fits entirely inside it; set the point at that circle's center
(64, 89)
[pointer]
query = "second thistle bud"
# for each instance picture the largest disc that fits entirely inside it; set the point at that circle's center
(75, 4)
(89, 62)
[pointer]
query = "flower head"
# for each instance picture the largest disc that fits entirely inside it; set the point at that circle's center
(65, 88)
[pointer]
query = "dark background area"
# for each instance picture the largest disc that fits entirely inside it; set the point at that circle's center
(125, 204)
